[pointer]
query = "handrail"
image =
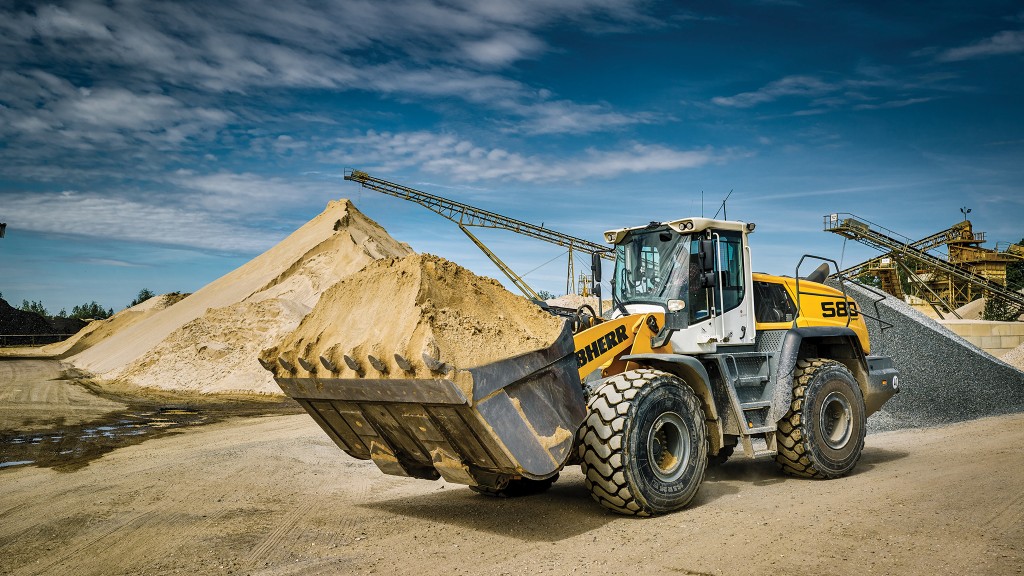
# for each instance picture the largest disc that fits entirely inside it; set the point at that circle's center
(5, 339)
(798, 292)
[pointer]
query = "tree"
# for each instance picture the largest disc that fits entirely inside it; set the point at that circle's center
(144, 294)
(92, 310)
(36, 307)
(545, 295)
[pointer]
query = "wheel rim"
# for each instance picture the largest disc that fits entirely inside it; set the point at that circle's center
(835, 420)
(668, 447)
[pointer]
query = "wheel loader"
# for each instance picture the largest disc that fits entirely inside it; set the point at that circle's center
(699, 357)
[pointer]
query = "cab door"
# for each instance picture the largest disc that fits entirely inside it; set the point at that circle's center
(721, 314)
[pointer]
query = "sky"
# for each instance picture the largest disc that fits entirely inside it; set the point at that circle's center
(159, 145)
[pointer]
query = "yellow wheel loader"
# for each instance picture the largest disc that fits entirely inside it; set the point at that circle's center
(698, 356)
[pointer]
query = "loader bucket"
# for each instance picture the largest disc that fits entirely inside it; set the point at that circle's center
(517, 419)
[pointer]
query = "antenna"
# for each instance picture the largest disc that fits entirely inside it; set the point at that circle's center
(701, 203)
(722, 207)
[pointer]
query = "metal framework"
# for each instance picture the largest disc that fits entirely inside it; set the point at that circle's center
(855, 228)
(466, 216)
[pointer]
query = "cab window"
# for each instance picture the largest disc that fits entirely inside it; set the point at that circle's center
(772, 303)
(718, 300)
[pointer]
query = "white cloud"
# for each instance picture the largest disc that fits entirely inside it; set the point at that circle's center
(461, 160)
(788, 86)
(1005, 42)
(893, 104)
(50, 112)
(243, 194)
(112, 218)
(414, 48)
(503, 48)
(869, 88)
(567, 117)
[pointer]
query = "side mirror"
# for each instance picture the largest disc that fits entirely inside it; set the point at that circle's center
(707, 255)
(595, 267)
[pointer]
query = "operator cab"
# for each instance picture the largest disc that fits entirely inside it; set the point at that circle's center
(696, 271)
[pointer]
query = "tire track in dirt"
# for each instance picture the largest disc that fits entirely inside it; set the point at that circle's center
(271, 547)
(1008, 516)
(79, 550)
(272, 542)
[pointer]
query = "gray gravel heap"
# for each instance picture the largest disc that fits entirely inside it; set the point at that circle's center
(943, 378)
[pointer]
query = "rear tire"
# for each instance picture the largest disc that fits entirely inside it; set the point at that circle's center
(643, 448)
(822, 435)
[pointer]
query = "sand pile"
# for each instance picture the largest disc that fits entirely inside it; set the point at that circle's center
(574, 301)
(98, 330)
(209, 340)
(975, 309)
(217, 351)
(1015, 357)
(417, 305)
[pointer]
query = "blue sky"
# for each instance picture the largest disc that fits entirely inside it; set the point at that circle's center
(162, 144)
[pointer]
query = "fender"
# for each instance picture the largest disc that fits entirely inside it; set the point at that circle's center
(696, 376)
(836, 337)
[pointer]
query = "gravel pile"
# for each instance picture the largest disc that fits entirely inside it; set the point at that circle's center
(943, 378)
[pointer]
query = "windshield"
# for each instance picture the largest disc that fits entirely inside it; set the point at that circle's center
(652, 266)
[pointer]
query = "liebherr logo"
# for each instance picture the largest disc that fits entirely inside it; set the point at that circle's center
(603, 344)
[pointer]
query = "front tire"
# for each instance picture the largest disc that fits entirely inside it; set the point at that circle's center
(643, 448)
(822, 435)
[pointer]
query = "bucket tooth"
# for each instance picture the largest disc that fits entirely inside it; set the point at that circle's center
(354, 365)
(403, 363)
(307, 366)
(286, 364)
(269, 366)
(432, 350)
(436, 365)
(377, 364)
(328, 364)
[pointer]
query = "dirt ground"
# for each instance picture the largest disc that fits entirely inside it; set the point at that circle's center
(273, 496)
(32, 397)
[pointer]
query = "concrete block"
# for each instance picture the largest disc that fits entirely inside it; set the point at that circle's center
(1010, 341)
(990, 342)
(976, 340)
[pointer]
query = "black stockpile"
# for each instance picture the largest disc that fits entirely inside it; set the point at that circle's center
(20, 328)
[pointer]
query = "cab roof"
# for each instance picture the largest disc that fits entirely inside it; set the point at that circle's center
(683, 226)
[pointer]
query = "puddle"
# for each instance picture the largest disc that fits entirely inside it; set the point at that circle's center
(45, 439)
(72, 447)
(69, 448)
